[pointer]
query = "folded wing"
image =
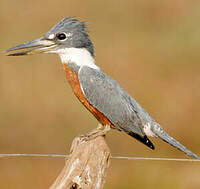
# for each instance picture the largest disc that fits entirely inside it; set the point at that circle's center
(108, 97)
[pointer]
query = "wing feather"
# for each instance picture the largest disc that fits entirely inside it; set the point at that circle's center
(107, 96)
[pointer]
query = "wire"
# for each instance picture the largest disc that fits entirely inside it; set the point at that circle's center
(34, 155)
(113, 157)
(154, 159)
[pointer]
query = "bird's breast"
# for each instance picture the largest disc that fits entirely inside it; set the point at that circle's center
(72, 77)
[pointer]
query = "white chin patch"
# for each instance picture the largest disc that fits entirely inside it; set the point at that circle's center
(80, 57)
(147, 130)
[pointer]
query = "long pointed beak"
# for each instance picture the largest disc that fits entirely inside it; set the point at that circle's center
(40, 45)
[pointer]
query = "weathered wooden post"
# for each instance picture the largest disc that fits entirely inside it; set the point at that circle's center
(86, 166)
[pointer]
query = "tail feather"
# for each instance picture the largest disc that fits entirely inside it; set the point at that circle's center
(158, 131)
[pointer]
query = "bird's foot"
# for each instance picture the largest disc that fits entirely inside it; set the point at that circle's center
(101, 130)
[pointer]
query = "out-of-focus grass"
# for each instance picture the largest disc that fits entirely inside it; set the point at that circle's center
(150, 47)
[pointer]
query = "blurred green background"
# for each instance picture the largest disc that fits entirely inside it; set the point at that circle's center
(150, 47)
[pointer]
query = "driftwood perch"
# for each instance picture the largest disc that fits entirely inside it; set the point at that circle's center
(86, 166)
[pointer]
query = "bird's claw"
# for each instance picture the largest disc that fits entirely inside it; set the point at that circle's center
(101, 130)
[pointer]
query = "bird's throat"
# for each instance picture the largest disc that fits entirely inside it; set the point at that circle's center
(78, 56)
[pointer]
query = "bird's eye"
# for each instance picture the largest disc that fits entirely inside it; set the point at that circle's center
(61, 36)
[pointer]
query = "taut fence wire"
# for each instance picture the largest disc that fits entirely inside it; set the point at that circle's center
(112, 157)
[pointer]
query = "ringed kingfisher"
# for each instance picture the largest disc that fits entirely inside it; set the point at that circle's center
(100, 94)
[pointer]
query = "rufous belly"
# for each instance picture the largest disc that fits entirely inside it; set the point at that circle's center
(73, 80)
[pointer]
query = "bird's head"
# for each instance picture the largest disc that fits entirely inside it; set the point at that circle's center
(68, 34)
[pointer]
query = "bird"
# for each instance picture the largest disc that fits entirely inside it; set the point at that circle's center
(109, 103)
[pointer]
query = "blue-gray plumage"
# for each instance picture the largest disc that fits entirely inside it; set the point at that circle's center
(79, 37)
(120, 108)
(99, 93)
(108, 97)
